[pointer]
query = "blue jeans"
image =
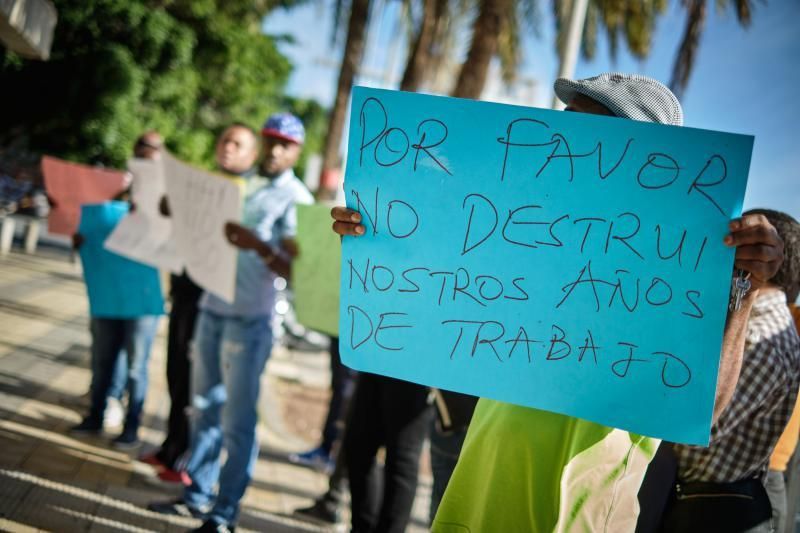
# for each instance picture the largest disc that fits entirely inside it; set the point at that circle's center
(119, 377)
(112, 337)
(228, 357)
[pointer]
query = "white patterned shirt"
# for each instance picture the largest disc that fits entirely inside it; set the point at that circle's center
(746, 432)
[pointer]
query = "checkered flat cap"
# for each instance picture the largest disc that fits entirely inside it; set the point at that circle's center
(626, 95)
(284, 126)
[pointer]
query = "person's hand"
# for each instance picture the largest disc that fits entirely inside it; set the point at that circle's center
(77, 240)
(759, 248)
(163, 207)
(289, 245)
(347, 221)
(241, 237)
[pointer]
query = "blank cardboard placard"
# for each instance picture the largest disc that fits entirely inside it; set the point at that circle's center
(315, 272)
(71, 185)
(145, 235)
(201, 203)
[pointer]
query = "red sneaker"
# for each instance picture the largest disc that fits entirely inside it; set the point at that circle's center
(152, 460)
(174, 476)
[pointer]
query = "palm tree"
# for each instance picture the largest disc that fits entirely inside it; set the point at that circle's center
(495, 33)
(420, 51)
(695, 22)
(631, 20)
(351, 60)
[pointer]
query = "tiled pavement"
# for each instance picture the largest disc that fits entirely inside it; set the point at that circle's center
(52, 481)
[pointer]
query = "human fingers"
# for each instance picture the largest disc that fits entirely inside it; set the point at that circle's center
(348, 228)
(343, 214)
(759, 248)
(751, 229)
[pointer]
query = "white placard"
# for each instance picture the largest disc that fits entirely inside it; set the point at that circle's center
(145, 235)
(200, 204)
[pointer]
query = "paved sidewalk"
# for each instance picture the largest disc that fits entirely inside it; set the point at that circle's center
(52, 481)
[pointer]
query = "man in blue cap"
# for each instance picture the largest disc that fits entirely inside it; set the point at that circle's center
(232, 341)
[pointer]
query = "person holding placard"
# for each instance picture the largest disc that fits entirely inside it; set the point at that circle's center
(523, 469)
(121, 340)
(236, 152)
(232, 341)
(722, 487)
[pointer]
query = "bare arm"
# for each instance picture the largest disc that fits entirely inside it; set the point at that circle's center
(244, 239)
(759, 251)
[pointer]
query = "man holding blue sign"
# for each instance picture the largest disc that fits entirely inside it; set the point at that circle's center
(524, 469)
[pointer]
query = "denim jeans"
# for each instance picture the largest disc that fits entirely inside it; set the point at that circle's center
(111, 338)
(228, 357)
(119, 378)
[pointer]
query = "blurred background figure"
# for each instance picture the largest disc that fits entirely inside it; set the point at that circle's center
(120, 349)
(235, 153)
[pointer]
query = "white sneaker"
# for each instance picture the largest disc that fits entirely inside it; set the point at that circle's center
(114, 415)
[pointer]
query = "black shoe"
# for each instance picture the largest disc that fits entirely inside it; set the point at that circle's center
(87, 427)
(212, 526)
(178, 508)
(322, 511)
(127, 440)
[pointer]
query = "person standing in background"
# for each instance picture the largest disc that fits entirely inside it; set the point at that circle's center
(232, 341)
(120, 350)
(236, 153)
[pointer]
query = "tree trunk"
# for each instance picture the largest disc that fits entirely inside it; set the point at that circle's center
(351, 60)
(485, 35)
(419, 58)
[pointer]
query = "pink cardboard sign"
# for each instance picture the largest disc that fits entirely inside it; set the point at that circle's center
(71, 185)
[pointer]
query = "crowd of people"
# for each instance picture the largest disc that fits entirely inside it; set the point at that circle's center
(496, 466)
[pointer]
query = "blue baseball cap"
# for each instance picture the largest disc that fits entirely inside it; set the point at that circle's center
(284, 126)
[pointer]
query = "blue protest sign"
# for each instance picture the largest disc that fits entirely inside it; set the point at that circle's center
(117, 286)
(569, 262)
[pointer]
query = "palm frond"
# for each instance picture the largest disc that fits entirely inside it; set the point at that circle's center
(687, 51)
(589, 40)
(508, 48)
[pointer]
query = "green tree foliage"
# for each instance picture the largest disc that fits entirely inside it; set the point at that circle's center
(186, 68)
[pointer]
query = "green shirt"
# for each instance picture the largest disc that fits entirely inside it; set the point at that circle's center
(527, 470)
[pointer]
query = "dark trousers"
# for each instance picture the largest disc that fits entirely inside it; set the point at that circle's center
(185, 297)
(395, 414)
(342, 386)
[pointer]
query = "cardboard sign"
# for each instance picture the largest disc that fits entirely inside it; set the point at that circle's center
(71, 185)
(146, 235)
(315, 272)
(201, 204)
(563, 261)
(117, 287)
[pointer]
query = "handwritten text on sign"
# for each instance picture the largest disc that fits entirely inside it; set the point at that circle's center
(562, 261)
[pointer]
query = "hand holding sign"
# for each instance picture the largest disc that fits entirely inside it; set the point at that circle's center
(759, 248)
(347, 222)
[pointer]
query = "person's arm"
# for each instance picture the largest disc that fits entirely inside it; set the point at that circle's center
(245, 239)
(77, 241)
(759, 251)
